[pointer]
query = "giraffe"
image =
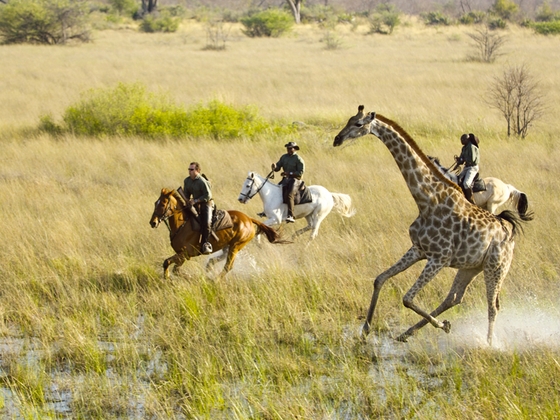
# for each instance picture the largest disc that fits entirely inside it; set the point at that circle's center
(448, 232)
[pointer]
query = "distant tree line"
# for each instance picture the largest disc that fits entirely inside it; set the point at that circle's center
(62, 21)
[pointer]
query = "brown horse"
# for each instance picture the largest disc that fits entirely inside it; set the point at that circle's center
(185, 241)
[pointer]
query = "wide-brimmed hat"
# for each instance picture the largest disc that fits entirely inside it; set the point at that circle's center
(292, 144)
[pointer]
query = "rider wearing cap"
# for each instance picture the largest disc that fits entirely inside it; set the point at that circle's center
(292, 166)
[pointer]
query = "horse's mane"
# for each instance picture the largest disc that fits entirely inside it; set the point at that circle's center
(177, 196)
(408, 139)
(265, 179)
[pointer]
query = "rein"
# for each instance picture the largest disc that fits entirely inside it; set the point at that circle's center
(249, 196)
(168, 212)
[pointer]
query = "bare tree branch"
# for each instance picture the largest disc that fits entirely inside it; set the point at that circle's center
(488, 44)
(518, 97)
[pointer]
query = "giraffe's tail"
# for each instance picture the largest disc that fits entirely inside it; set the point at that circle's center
(513, 219)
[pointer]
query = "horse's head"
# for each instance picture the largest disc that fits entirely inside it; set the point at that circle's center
(445, 171)
(163, 208)
(250, 188)
(357, 126)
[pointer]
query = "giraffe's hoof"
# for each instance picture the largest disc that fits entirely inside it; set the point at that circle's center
(365, 331)
(446, 326)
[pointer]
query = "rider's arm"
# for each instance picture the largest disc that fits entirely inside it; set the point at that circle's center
(278, 165)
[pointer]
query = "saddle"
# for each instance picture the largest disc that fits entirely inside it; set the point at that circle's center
(478, 183)
(221, 220)
(302, 195)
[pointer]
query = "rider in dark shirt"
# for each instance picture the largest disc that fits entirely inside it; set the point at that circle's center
(470, 156)
(199, 193)
(292, 166)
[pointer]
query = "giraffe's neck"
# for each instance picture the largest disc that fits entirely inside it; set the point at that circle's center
(425, 184)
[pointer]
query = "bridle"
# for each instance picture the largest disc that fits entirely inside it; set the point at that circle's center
(249, 195)
(167, 213)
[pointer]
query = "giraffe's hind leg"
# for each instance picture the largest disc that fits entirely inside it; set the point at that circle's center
(495, 271)
(455, 297)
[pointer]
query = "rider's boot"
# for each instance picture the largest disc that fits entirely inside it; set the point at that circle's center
(206, 228)
(469, 195)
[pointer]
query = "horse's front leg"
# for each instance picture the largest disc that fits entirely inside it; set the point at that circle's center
(212, 261)
(177, 259)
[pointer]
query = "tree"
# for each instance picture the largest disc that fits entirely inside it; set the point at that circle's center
(488, 45)
(295, 6)
(506, 9)
(149, 6)
(44, 21)
(516, 94)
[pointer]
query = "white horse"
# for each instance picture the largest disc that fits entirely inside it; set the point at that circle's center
(323, 201)
(497, 193)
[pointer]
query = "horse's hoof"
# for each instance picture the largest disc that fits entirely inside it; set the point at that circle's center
(403, 338)
(446, 326)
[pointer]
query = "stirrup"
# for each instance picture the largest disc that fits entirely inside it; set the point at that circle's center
(207, 248)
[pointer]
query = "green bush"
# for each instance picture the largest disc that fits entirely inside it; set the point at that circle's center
(473, 17)
(129, 110)
(124, 7)
(435, 19)
(505, 9)
(268, 23)
(163, 22)
(43, 22)
(385, 19)
(497, 23)
(547, 28)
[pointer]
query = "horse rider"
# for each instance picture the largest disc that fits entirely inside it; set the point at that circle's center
(199, 193)
(470, 156)
(292, 166)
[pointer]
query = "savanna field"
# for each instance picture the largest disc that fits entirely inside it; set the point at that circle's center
(88, 326)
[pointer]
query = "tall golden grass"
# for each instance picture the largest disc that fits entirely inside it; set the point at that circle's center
(90, 330)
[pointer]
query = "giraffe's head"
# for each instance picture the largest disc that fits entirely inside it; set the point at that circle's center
(357, 126)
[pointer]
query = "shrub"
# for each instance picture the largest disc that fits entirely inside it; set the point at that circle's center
(544, 13)
(124, 7)
(547, 28)
(268, 23)
(435, 19)
(505, 9)
(221, 120)
(129, 110)
(472, 17)
(384, 20)
(497, 23)
(43, 22)
(163, 22)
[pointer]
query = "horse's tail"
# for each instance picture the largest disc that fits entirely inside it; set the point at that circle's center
(521, 201)
(343, 204)
(513, 219)
(271, 234)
